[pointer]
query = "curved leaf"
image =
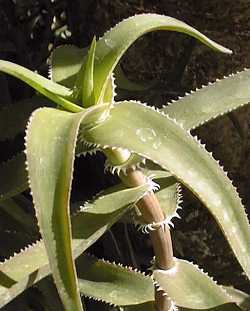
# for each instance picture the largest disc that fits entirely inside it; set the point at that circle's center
(189, 287)
(114, 284)
(56, 92)
(114, 43)
(31, 264)
(144, 131)
(13, 177)
(211, 101)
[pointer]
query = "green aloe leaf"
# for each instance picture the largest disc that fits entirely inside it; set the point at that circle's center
(189, 287)
(14, 177)
(13, 119)
(211, 101)
(147, 132)
(114, 284)
(50, 160)
(85, 82)
(56, 92)
(114, 43)
(31, 264)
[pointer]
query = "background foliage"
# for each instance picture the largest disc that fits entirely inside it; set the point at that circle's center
(29, 30)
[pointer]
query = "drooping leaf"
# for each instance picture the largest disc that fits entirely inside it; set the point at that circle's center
(114, 284)
(189, 287)
(13, 119)
(211, 101)
(149, 133)
(56, 92)
(13, 177)
(31, 264)
(114, 43)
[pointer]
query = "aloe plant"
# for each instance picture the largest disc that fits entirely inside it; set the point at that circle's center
(151, 151)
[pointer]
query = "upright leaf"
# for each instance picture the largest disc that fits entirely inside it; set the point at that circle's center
(85, 82)
(155, 136)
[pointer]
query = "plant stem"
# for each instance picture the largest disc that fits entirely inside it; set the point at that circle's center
(161, 238)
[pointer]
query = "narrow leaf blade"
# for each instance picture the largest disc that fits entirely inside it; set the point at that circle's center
(85, 82)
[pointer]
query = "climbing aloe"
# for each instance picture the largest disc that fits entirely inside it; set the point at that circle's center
(151, 151)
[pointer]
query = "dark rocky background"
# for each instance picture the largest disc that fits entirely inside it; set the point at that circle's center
(29, 30)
